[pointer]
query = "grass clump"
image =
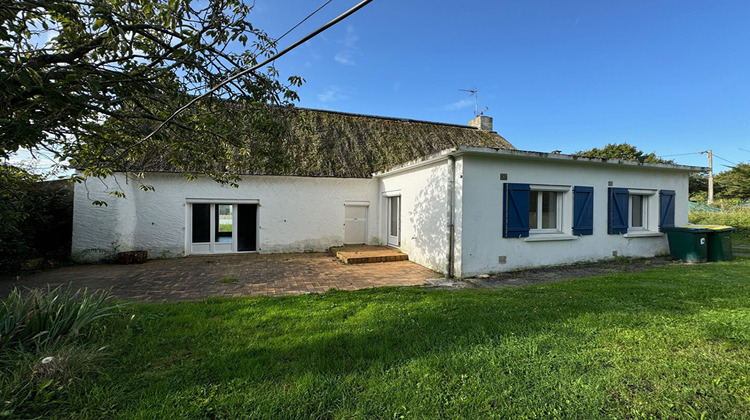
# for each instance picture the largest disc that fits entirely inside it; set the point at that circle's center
(228, 280)
(44, 351)
(38, 317)
(34, 384)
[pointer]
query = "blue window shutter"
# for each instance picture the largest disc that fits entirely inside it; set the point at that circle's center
(617, 220)
(516, 210)
(583, 210)
(666, 208)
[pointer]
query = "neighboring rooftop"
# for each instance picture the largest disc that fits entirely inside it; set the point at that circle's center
(337, 144)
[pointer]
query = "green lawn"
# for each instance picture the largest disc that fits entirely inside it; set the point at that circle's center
(673, 341)
(741, 237)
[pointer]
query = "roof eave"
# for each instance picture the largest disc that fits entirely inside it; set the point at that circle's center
(529, 155)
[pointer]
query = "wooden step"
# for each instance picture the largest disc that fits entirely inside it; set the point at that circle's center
(363, 254)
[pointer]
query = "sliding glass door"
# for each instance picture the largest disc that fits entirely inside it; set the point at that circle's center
(217, 228)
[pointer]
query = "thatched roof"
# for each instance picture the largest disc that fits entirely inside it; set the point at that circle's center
(336, 144)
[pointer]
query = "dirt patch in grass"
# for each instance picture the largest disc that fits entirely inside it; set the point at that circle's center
(564, 272)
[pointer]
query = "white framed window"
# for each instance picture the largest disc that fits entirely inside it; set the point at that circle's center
(546, 208)
(639, 210)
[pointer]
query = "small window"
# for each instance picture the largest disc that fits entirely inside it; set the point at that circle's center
(535, 209)
(224, 222)
(638, 209)
(544, 211)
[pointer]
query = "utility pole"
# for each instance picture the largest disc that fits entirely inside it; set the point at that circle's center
(710, 175)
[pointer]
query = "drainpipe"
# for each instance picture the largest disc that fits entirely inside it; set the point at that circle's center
(451, 204)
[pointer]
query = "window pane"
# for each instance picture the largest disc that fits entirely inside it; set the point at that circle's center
(201, 223)
(394, 215)
(533, 210)
(549, 210)
(637, 211)
(224, 222)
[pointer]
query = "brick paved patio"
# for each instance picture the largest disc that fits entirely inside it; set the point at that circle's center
(198, 277)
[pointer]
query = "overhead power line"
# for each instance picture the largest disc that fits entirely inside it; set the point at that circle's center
(303, 20)
(703, 152)
(278, 55)
(683, 154)
(724, 159)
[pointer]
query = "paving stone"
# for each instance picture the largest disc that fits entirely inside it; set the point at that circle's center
(199, 277)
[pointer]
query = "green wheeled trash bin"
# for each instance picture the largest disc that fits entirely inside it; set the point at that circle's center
(719, 239)
(688, 243)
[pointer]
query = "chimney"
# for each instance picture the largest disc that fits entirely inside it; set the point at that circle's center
(481, 122)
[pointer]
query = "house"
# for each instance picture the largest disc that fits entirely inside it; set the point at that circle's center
(457, 199)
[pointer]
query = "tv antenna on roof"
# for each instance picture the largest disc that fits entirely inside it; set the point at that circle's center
(473, 91)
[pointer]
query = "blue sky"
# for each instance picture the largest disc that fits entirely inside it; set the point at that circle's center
(669, 77)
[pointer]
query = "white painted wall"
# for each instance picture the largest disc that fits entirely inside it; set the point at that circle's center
(296, 214)
(458, 211)
(307, 214)
(482, 214)
(101, 231)
(424, 210)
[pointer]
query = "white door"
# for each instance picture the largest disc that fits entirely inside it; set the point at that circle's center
(355, 224)
(394, 221)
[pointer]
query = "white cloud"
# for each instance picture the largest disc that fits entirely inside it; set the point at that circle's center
(463, 103)
(349, 41)
(345, 58)
(351, 38)
(332, 94)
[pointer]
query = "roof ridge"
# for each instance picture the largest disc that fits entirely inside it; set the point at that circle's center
(353, 114)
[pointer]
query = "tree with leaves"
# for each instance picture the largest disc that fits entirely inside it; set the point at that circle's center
(88, 80)
(698, 186)
(622, 151)
(16, 186)
(734, 183)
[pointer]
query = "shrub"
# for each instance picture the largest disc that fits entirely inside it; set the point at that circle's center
(737, 216)
(15, 185)
(36, 218)
(39, 318)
